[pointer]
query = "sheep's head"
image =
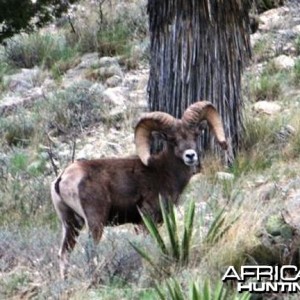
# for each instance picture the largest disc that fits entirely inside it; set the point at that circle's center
(181, 134)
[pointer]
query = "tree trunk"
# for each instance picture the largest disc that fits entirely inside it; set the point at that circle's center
(198, 51)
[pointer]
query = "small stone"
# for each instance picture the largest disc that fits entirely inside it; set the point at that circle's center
(225, 176)
(284, 62)
(266, 107)
(113, 81)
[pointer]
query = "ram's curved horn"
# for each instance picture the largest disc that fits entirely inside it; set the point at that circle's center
(204, 110)
(154, 121)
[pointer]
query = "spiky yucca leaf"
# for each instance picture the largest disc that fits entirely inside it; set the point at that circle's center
(217, 228)
(195, 295)
(171, 225)
(187, 234)
(172, 248)
(149, 259)
(153, 230)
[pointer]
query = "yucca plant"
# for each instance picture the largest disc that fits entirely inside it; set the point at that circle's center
(172, 246)
(218, 227)
(175, 291)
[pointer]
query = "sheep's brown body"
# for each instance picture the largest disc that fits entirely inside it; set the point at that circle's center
(114, 191)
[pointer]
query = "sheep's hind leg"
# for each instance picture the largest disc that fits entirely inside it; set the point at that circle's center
(72, 224)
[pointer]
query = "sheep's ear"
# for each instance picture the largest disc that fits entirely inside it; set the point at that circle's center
(157, 135)
(201, 127)
(158, 142)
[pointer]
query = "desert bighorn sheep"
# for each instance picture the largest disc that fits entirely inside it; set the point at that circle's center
(114, 190)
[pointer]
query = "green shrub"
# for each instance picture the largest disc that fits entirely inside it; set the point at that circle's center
(109, 32)
(27, 51)
(84, 38)
(24, 191)
(113, 39)
(259, 147)
(262, 49)
(17, 129)
(267, 87)
(13, 284)
(71, 110)
(5, 69)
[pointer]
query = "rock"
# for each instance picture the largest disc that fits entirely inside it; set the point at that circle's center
(266, 107)
(10, 103)
(87, 151)
(273, 18)
(296, 29)
(139, 100)
(292, 209)
(107, 61)
(284, 134)
(224, 176)
(97, 89)
(136, 79)
(284, 62)
(267, 192)
(78, 73)
(115, 98)
(113, 81)
(106, 72)
(88, 60)
(23, 81)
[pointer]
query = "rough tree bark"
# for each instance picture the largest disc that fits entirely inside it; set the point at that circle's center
(198, 51)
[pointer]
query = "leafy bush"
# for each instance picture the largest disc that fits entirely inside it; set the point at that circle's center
(27, 51)
(266, 87)
(85, 36)
(262, 49)
(65, 112)
(109, 31)
(71, 110)
(18, 129)
(5, 69)
(259, 148)
(113, 39)
(24, 191)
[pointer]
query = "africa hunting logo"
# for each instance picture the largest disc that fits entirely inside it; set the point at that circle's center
(265, 279)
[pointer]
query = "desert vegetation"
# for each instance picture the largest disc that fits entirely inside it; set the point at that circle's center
(228, 215)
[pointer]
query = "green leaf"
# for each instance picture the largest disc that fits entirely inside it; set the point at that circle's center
(207, 290)
(187, 234)
(153, 230)
(195, 294)
(170, 222)
(215, 227)
(147, 257)
(160, 292)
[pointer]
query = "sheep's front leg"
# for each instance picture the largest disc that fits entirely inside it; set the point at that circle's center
(96, 214)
